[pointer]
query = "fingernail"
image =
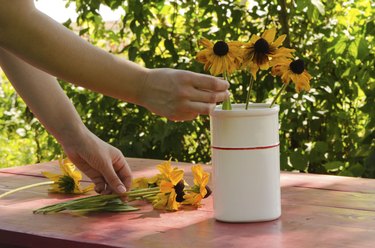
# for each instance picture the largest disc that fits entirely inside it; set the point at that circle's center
(121, 189)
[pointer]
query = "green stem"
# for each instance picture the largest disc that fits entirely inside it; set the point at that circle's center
(144, 193)
(226, 103)
(278, 94)
(141, 190)
(25, 187)
(251, 83)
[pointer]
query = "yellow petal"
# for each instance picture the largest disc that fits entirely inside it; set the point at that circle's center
(166, 187)
(51, 176)
(286, 77)
(172, 203)
(176, 176)
(206, 42)
(279, 41)
(161, 201)
(264, 66)
(88, 188)
(165, 168)
(254, 38)
(269, 35)
(254, 69)
(140, 183)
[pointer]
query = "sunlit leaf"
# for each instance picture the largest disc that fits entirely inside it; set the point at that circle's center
(319, 5)
(335, 165)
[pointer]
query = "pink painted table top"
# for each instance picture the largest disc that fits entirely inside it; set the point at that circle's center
(317, 211)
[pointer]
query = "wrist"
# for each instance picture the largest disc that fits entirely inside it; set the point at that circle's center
(71, 133)
(141, 95)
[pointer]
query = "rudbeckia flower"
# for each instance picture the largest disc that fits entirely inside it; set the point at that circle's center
(200, 189)
(221, 57)
(69, 181)
(295, 70)
(171, 187)
(146, 182)
(161, 201)
(260, 50)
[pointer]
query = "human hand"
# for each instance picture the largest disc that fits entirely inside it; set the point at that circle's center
(104, 164)
(181, 95)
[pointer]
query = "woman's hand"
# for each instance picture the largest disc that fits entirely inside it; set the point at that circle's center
(104, 164)
(181, 95)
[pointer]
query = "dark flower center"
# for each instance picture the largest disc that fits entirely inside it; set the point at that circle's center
(67, 184)
(261, 46)
(221, 48)
(180, 196)
(209, 192)
(179, 187)
(297, 66)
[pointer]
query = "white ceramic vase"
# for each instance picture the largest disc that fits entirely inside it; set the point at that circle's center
(246, 163)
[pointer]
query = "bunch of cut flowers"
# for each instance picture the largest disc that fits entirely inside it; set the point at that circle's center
(167, 190)
(259, 53)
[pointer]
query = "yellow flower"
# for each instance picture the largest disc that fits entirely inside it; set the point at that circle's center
(171, 186)
(161, 201)
(221, 57)
(165, 169)
(260, 50)
(146, 182)
(69, 181)
(295, 70)
(199, 190)
(140, 183)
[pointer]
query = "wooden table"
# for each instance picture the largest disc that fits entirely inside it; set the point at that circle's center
(317, 211)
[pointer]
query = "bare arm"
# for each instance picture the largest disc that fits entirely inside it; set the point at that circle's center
(49, 46)
(104, 164)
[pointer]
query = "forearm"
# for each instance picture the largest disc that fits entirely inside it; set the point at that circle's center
(44, 96)
(42, 42)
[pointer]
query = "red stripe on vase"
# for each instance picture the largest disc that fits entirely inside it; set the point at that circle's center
(244, 148)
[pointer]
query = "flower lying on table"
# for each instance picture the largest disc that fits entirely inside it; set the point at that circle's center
(67, 183)
(166, 190)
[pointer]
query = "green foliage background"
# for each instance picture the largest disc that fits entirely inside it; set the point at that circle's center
(329, 130)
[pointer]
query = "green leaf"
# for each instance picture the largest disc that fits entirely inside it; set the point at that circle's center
(123, 208)
(321, 146)
(298, 160)
(132, 53)
(206, 23)
(363, 49)
(83, 31)
(170, 47)
(353, 48)
(341, 45)
(345, 173)
(335, 165)
(236, 15)
(357, 169)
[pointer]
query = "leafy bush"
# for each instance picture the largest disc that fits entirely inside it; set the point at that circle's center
(329, 130)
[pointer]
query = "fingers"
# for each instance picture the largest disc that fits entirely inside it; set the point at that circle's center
(202, 108)
(209, 96)
(123, 170)
(95, 176)
(210, 83)
(112, 179)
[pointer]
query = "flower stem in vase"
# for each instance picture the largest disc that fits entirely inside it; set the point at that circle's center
(226, 103)
(278, 94)
(251, 83)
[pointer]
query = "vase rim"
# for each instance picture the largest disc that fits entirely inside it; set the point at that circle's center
(239, 110)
